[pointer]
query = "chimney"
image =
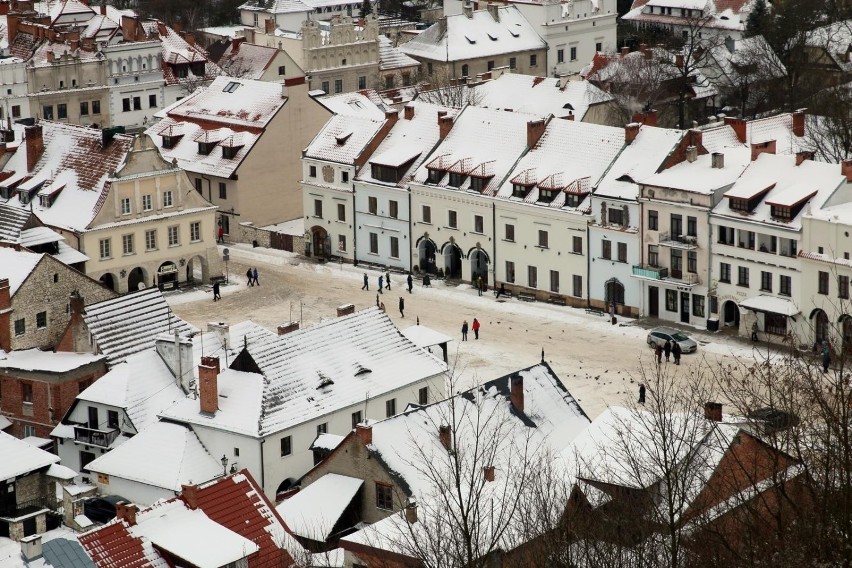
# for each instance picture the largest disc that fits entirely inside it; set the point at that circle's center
(717, 160)
(126, 512)
(799, 123)
(757, 149)
(625, 51)
(5, 315)
(467, 10)
(444, 437)
(345, 310)
(75, 44)
(845, 169)
(648, 117)
(631, 131)
(494, 10)
(12, 26)
(50, 56)
(365, 433)
(269, 26)
(445, 124)
(235, 44)
(176, 353)
(288, 327)
(646, 51)
(697, 138)
(488, 472)
(803, 155)
(35, 145)
(535, 129)
(189, 37)
(31, 547)
(517, 392)
(409, 112)
(391, 116)
(208, 381)
(190, 495)
(411, 513)
(129, 25)
(713, 411)
(739, 126)
(691, 154)
(103, 8)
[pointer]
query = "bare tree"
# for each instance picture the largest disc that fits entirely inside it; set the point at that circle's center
(441, 89)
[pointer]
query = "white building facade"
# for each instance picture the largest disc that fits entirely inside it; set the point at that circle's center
(136, 83)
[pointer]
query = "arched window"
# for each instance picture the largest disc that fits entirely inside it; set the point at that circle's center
(464, 70)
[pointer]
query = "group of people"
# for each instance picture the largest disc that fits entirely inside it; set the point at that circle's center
(670, 349)
(251, 274)
(385, 282)
(475, 326)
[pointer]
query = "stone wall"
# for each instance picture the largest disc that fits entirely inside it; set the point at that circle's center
(248, 233)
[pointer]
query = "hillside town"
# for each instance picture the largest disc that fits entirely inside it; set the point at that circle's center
(282, 284)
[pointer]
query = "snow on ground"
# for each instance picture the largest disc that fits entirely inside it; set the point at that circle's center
(598, 362)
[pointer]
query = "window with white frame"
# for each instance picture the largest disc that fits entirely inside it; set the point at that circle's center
(174, 236)
(195, 231)
(127, 244)
(151, 239)
(146, 202)
(105, 248)
(167, 199)
(126, 208)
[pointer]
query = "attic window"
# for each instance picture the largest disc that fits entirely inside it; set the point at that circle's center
(231, 87)
(5, 192)
(324, 381)
(520, 191)
(493, 38)
(343, 137)
(546, 195)
(230, 152)
(470, 40)
(568, 106)
(171, 141)
(514, 34)
(435, 176)
(456, 180)
(206, 147)
(782, 213)
(45, 200)
(361, 370)
(479, 183)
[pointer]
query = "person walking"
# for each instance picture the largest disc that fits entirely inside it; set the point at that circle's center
(501, 291)
(254, 274)
(641, 393)
(366, 285)
(668, 349)
(826, 355)
(475, 328)
(479, 284)
(381, 283)
(676, 352)
(220, 237)
(387, 280)
(658, 351)
(216, 296)
(464, 331)
(410, 280)
(250, 277)
(402, 306)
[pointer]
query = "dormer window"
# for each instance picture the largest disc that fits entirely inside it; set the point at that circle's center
(435, 176)
(171, 141)
(479, 183)
(230, 152)
(45, 200)
(456, 180)
(6, 192)
(574, 199)
(739, 204)
(546, 195)
(520, 191)
(782, 213)
(206, 147)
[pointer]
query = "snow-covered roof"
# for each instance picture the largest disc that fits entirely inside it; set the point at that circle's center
(836, 39)
(410, 140)
(466, 152)
(366, 103)
(721, 14)
(343, 138)
(327, 441)
(72, 170)
(248, 60)
(290, 6)
(788, 185)
(131, 323)
(246, 523)
(17, 266)
(746, 60)
(476, 37)
(391, 56)
(314, 511)
(700, 176)
(12, 222)
(164, 455)
(45, 361)
(67, 12)
(313, 372)
(538, 95)
(424, 337)
(59, 471)
(142, 385)
(570, 157)
(21, 458)
(773, 304)
(637, 161)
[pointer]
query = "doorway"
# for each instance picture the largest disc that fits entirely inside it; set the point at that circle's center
(426, 254)
(684, 307)
(452, 261)
(654, 301)
(479, 266)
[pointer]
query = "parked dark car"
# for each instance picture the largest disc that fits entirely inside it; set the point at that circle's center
(102, 509)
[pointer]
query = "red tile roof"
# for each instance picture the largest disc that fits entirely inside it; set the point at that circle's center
(235, 502)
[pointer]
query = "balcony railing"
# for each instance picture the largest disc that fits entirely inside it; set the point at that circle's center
(95, 437)
(687, 278)
(650, 272)
(679, 241)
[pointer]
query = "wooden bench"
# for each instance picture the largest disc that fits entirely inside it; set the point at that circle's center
(526, 297)
(596, 311)
(558, 300)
